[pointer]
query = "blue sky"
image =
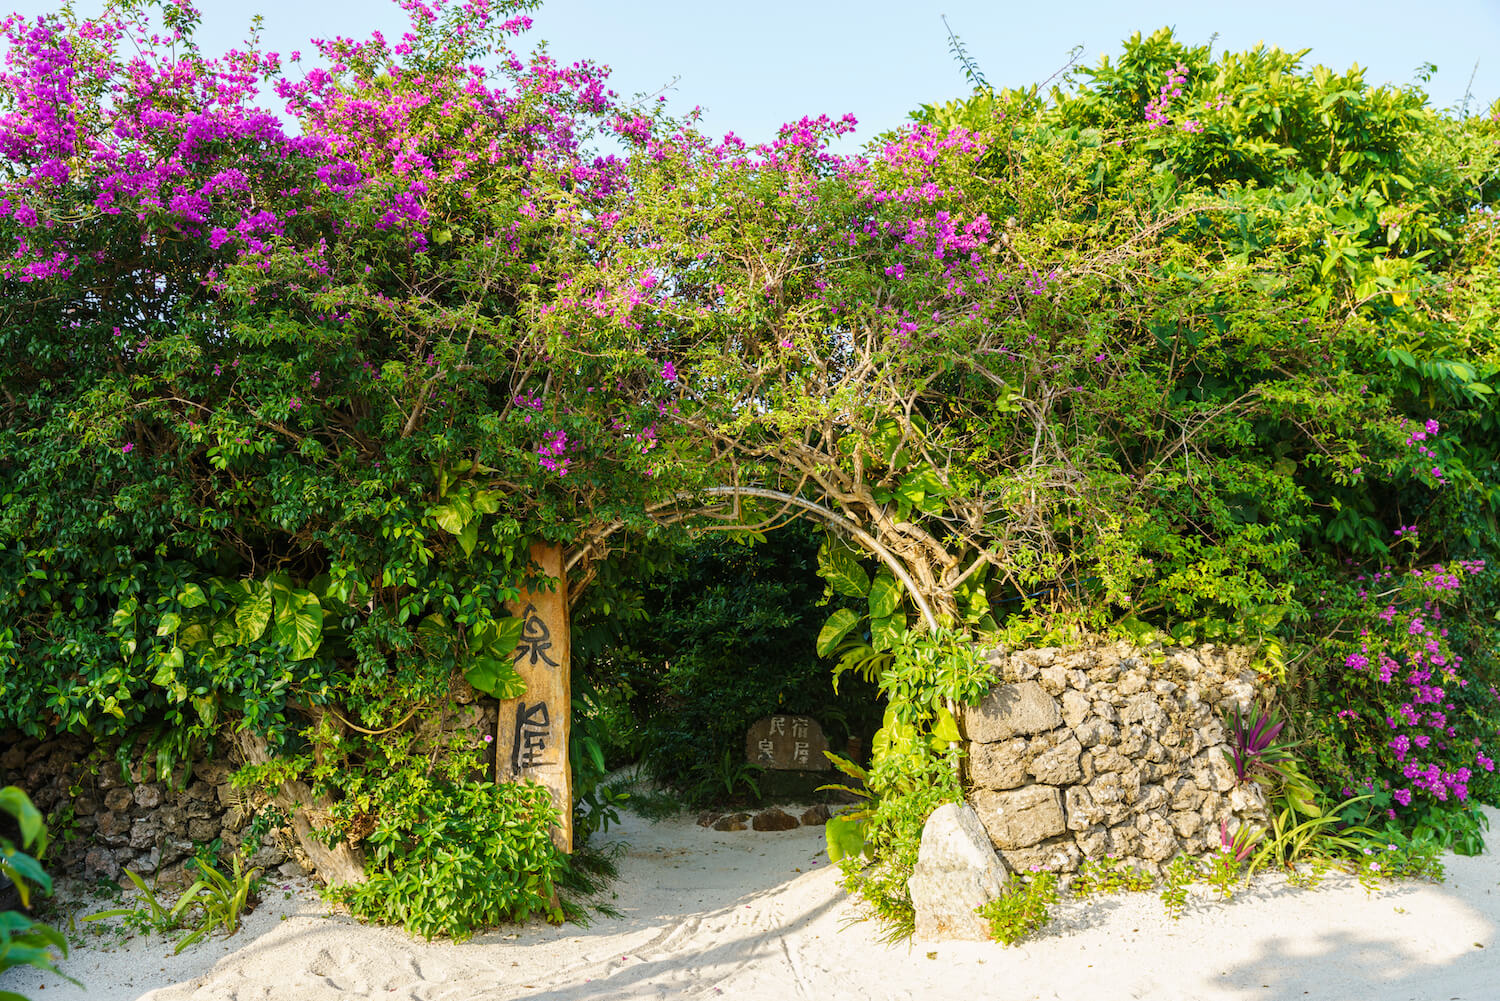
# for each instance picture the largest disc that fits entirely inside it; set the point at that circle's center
(754, 65)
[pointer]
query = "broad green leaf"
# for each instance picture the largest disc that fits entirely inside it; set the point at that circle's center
(191, 596)
(834, 630)
(299, 623)
(255, 611)
(169, 624)
(28, 818)
(486, 501)
(838, 565)
(453, 514)
(846, 766)
(226, 632)
(500, 637)
(435, 635)
(193, 634)
(886, 632)
(845, 838)
(469, 537)
(944, 731)
(495, 677)
(166, 671)
(125, 614)
(885, 595)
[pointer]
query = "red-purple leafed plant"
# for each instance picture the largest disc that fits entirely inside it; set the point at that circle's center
(1254, 743)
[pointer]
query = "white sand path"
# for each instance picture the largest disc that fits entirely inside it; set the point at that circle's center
(749, 915)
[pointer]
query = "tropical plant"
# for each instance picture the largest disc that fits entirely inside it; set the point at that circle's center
(1253, 744)
(152, 913)
(220, 899)
(23, 940)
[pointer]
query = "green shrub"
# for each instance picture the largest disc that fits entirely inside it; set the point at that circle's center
(1022, 908)
(457, 857)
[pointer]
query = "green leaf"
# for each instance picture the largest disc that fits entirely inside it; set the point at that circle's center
(846, 766)
(885, 595)
(299, 623)
(469, 537)
(169, 624)
(254, 612)
(453, 514)
(834, 630)
(125, 614)
(944, 731)
(495, 677)
(499, 637)
(166, 671)
(28, 818)
(845, 837)
(191, 596)
(886, 632)
(838, 565)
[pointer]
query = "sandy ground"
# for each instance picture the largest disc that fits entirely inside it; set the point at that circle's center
(759, 915)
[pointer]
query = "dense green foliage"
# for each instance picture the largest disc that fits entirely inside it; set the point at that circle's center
(726, 639)
(1193, 344)
(456, 858)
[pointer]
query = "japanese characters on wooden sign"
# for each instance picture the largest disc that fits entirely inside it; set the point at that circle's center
(787, 743)
(531, 740)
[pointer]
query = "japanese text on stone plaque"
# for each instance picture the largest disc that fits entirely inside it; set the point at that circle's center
(788, 742)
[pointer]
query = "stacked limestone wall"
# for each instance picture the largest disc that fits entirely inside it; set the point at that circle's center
(104, 819)
(1108, 750)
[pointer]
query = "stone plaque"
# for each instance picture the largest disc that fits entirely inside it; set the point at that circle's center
(787, 743)
(531, 738)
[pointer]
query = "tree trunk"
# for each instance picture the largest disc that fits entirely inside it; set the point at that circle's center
(336, 866)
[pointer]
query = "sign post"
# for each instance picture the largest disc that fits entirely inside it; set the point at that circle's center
(531, 739)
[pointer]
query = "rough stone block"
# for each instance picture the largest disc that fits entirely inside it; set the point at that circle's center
(211, 772)
(203, 829)
(1058, 856)
(774, 819)
(118, 799)
(148, 796)
(1080, 810)
(1054, 679)
(731, 822)
(1075, 708)
(113, 828)
(1108, 759)
(1059, 766)
(1019, 818)
(144, 832)
(956, 872)
(1095, 731)
(1011, 711)
(998, 766)
(1186, 823)
(815, 816)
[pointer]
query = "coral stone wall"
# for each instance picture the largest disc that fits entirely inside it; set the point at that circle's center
(1108, 750)
(104, 821)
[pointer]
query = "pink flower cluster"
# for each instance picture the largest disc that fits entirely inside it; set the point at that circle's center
(1418, 672)
(1157, 108)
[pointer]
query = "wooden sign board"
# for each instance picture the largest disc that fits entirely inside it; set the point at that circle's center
(787, 743)
(531, 738)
